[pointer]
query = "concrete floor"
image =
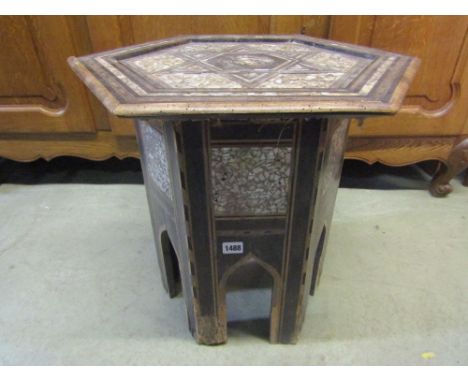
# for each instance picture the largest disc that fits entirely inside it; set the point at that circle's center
(79, 284)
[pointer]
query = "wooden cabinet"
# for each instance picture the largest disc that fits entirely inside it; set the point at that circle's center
(38, 94)
(433, 124)
(46, 112)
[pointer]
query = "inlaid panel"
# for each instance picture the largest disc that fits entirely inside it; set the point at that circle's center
(156, 157)
(217, 65)
(250, 180)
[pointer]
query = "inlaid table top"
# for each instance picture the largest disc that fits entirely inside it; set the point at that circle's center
(246, 74)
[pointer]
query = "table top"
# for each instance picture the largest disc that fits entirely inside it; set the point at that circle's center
(246, 74)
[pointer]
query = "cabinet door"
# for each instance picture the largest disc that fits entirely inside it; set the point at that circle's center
(38, 91)
(436, 102)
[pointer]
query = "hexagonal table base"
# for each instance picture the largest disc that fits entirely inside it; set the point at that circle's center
(241, 196)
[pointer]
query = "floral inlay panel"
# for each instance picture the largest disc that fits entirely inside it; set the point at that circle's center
(250, 180)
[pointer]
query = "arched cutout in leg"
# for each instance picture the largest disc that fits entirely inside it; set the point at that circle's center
(250, 290)
(317, 258)
(171, 265)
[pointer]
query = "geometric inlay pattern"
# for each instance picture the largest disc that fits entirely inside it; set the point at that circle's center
(239, 71)
(250, 180)
(215, 65)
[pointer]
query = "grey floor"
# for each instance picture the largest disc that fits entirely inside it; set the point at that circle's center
(79, 283)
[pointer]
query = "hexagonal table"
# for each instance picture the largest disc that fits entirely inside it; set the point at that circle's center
(242, 141)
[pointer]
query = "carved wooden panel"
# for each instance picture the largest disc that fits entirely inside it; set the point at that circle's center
(399, 151)
(38, 93)
(436, 101)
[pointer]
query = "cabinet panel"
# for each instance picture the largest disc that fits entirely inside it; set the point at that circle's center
(436, 99)
(38, 92)
(23, 79)
(147, 28)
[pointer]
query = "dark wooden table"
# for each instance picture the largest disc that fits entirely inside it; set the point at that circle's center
(242, 141)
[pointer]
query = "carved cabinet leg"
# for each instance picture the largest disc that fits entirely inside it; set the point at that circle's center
(456, 163)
